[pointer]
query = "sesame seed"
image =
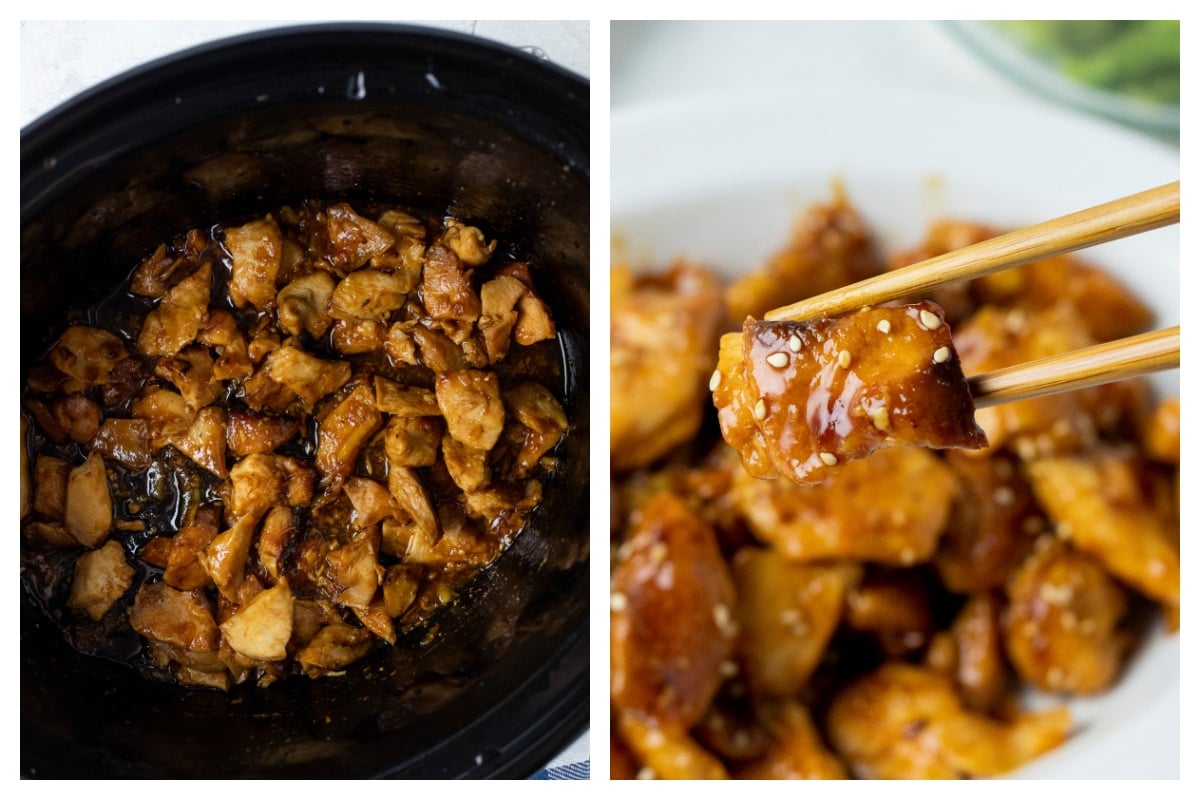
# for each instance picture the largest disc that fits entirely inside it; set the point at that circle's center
(1155, 567)
(913, 639)
(715, 380)
(724, 620)
(1057, 594)
(1054, 677)
(794, 343)
(941, 355)
(760, 409)
(789, 616)
(655, 738)
(1064, 530)
(778, 360)
(1069, 620)
(1014, 323)
(646, 774)
(1003, 496)
(658, 553)
(929, 320)
(884, 327)
(1026, 448)
(728, 670)
(1061, 428)
(879, 417)
(618, 602)
(908, 556)
(828, 459)
(741, 739)
(844, 359)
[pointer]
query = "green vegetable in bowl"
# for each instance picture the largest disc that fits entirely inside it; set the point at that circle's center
(1139, 58)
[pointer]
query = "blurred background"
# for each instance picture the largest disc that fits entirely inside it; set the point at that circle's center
(1126, 71)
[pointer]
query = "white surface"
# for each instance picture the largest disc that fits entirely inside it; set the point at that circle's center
(712, 160)
(61, 59)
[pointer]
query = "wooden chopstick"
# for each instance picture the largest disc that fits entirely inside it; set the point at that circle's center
(1117, 219)
(1079, 369)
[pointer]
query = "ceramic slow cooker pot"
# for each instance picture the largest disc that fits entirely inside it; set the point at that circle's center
(425, 119)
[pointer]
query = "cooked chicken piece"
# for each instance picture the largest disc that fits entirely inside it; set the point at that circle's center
(663, 333)
(78, 416)
(447, 291)
(88, 511)
(309, 616)
(889, 507)
(1102, 504)
(957, 300)
(803, 399)
(225, 557)
(335, 647)
(255, 250)
(470, 402)
(1160, 437)
(994, 338)
(179, 316)
(980, 666)
(257, 483)
(993, 523)
(401, 344)
(248, 432)
(158, 271)
(344, 431)
(672, 618)
(261, 393)
(404, 401)
(498, 301)
(787, 614)
(667, 751)
(263, 341)
(435, 350)
(501, 501)
(180, 619)
(903, 721)
(157, 552)
(204, 442)
(371, 501)
(375, 619)
(535, 408)
(50, 485)
(304, 305)
(349, 241)
(311, 378)
(183, 569)
(895, 609)
(101, 578)
(51, 535)
(87, 356)
(413, 441)
(354, 573)
(409, 494)
(797, 752)
(168, 415)
(467, 242)
(262, 628)
(278, 529)
(467, 466)
(400, 585)
(830, 247)
(1061, 627)
(127, 441)
(192, 373)
(368, 294)
(298, 481)
(534, 323)
(355, 337)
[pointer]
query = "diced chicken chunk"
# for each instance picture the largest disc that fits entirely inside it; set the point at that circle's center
(467, 466)
(181, 619)
(468, 243)
(404, 401)
(225, 557)
(802, 399)
(349, 241)
(262, 628)
(278, 529)
(87, 355)
(50, 482)
(663, 333)
(79, 417)
(672, 615)
(180, 314)
(667, 751)
(368, 294)
(355, 337)
(204, 442)
(499, 298)
(447, 292)
(183, 569)
(248, 432)
(354, 573)
(413, 441)
(257, 483)
(88, 511)
(101, 577)
(255, 249)
(345, 430)
(470, 402)
(335, 647)
(371, 500)
(903, 721)
(192, 373)
(797, 751)
(303, 305)
(311, 378)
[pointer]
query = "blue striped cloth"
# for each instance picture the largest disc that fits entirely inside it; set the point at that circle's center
(572, 764)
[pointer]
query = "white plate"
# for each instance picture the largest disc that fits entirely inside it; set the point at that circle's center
(721, 181)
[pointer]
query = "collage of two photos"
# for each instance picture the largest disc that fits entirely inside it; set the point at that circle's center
(313, 402)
